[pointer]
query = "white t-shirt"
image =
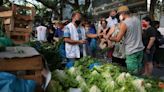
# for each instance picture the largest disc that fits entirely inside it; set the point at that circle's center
(111, 22)
(41, 33)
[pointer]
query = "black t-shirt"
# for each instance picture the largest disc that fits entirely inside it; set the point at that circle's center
(150, 32)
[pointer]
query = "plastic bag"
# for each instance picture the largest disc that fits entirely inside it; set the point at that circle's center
(10, 83)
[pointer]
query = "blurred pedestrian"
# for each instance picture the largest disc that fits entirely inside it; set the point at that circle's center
(155, 24)
(50, 34)
(41, 32)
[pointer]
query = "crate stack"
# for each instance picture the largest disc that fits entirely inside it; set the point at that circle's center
(18, 23)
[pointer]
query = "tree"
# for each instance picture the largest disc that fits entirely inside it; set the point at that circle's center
(57, 5)
(5, 5)
(153, 4)
(52, 4)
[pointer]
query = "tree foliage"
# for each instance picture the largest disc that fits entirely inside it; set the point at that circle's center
(58, 5)
(154, 4)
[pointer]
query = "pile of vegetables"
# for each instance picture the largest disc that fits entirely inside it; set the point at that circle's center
(50, 52)
(89, 75)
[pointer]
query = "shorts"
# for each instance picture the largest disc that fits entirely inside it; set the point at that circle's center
(148, 57)
(134, 62)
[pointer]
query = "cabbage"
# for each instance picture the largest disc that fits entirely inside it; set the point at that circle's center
(109, 86)
(94, 73)
(94, 77)
(148, 85)
(74, 90)
(139, 85)
(106, 75)
(121, 78)
(74, 71)
(128, 75)
(60, 75)
(94, 88)
(82, 83)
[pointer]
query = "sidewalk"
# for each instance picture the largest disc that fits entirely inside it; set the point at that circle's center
(159, 72)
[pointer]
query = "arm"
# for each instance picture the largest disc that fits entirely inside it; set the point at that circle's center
(92, 35)
(121, 33)
(99, 31)
(67, 38)
(73, 42)
(110, 32)
(151, 42)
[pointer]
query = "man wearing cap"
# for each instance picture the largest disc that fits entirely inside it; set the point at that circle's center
(130, 28)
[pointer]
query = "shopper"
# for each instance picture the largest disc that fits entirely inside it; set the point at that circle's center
(73, 39)
(104, 43)
(149, 36)
(118, 55)
(41, 33)
(112, 20)
(50, 34)
(155, 25)
(58, 36)
(91, 38)
(130, 29)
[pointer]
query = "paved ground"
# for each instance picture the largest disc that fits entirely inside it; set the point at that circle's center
(159, 72)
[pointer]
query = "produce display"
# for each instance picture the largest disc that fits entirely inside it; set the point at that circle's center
(50, 52)
(89, 75)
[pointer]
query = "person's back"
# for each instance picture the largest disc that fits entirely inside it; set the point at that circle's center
(41, 33)
(133, 36)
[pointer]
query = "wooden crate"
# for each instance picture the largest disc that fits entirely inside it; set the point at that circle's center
(22, 29)
(5, 14)
(29, 65)
(32, 67)
(29, 17)
(19, 37)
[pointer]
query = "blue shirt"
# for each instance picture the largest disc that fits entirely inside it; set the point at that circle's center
(59, 33)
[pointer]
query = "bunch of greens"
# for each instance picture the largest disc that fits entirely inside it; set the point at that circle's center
(102, 78)
(50, 52)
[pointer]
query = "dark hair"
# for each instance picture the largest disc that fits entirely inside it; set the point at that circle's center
(104, 21)
(42, 24)
(113, 11)
(155, 23)
(148, 19)
(117, 17)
